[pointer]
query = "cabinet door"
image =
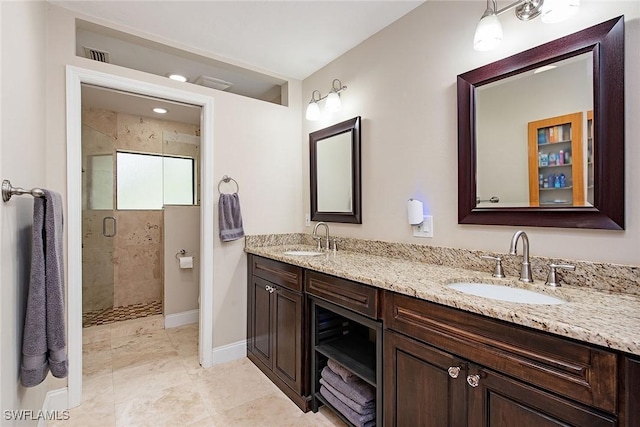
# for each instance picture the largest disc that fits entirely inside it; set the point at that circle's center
(499, 401)
(418, 388)
(287, 337)
(262, 318)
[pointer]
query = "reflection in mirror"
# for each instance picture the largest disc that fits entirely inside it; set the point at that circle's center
(509, 143)
(334, 174)
(521, 172)
(334, 155)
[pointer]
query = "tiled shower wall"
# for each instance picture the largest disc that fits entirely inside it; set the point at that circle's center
(126, 269)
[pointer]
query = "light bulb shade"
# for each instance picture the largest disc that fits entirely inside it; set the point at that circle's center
(332, 103)
(558, 10)
(488, 32)
(313, 111)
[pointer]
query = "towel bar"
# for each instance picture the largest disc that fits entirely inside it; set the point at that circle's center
(8, 191)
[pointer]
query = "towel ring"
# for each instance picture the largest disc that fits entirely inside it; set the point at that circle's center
(226, 179)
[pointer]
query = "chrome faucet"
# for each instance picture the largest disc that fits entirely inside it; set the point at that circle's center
(525, 271)
(318, 239)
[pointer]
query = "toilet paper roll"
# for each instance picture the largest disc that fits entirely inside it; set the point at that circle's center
(186, 262)
(414, 212)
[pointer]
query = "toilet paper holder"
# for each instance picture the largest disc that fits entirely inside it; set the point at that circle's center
(181, 253)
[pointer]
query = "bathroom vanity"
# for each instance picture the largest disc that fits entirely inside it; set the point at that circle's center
(448, 358)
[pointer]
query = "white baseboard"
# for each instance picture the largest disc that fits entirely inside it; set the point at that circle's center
(180, 319)
(229, 352)
(55, 401)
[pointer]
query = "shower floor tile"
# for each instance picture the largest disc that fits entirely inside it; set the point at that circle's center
(116, 314)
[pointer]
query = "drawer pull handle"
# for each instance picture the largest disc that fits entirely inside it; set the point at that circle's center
(473, 380)
(454, 371)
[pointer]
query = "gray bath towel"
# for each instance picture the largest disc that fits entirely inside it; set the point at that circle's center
(44, 343)
(368, 420)
(230, 217)
(360, 409)
(358, 390)
(345, 374)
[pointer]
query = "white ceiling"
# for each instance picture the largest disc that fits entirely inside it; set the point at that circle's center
(293, 38)
(138, 105)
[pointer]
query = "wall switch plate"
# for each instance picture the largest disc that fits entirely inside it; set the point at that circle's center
(307, 220)
(425, 229)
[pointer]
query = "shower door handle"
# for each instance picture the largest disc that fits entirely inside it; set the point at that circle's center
(104, 226)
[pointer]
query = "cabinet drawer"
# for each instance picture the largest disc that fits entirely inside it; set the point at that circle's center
(575, 370)
(276, 272)
(357, 297)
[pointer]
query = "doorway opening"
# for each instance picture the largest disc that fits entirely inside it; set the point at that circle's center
(76, 77)
(140, 207)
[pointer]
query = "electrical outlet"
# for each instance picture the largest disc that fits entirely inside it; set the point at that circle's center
(307, 220)
(425, 229)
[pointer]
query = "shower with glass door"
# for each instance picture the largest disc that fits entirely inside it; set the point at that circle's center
(132, 166)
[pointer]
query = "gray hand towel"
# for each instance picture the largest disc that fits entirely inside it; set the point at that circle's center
(358, 390)
(360, 409)
(368, 420)
(230, 217)
(44, 337)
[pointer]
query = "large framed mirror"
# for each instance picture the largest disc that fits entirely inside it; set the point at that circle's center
(541, 135)
(335, 173)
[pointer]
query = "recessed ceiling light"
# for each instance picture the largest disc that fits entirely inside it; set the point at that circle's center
(178, 77)
(160, 110)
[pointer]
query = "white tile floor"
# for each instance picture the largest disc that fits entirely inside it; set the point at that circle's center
(137, 374)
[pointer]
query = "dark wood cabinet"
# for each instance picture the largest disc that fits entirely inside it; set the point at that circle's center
(262, 324)
(423, 386)
(500, 401)
(345, 329)
(287, 337)
(275, 326)
(508, 375)
(431, 365)
(630, 392)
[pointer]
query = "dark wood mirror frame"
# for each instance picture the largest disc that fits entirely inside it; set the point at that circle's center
(606, 42)
(355, 216)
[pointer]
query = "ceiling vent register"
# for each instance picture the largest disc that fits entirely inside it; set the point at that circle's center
(213, 83)
(96, 55)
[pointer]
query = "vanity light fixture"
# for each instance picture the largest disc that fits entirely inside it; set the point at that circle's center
(489, 31)
(332, 103)
(159, 110)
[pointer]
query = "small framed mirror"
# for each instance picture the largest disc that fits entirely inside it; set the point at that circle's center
(335, 173)
(541, 135)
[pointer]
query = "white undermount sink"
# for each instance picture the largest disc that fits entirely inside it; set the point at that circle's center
(505, 293)
(303, 253)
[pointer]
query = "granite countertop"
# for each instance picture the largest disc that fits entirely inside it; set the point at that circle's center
(598, 317)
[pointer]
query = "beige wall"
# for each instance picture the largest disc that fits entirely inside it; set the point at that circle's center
(402, 81)
(22, 160)
(181, 285)
(255, 142)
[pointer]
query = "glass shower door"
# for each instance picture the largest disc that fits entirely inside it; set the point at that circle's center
(99, 226)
